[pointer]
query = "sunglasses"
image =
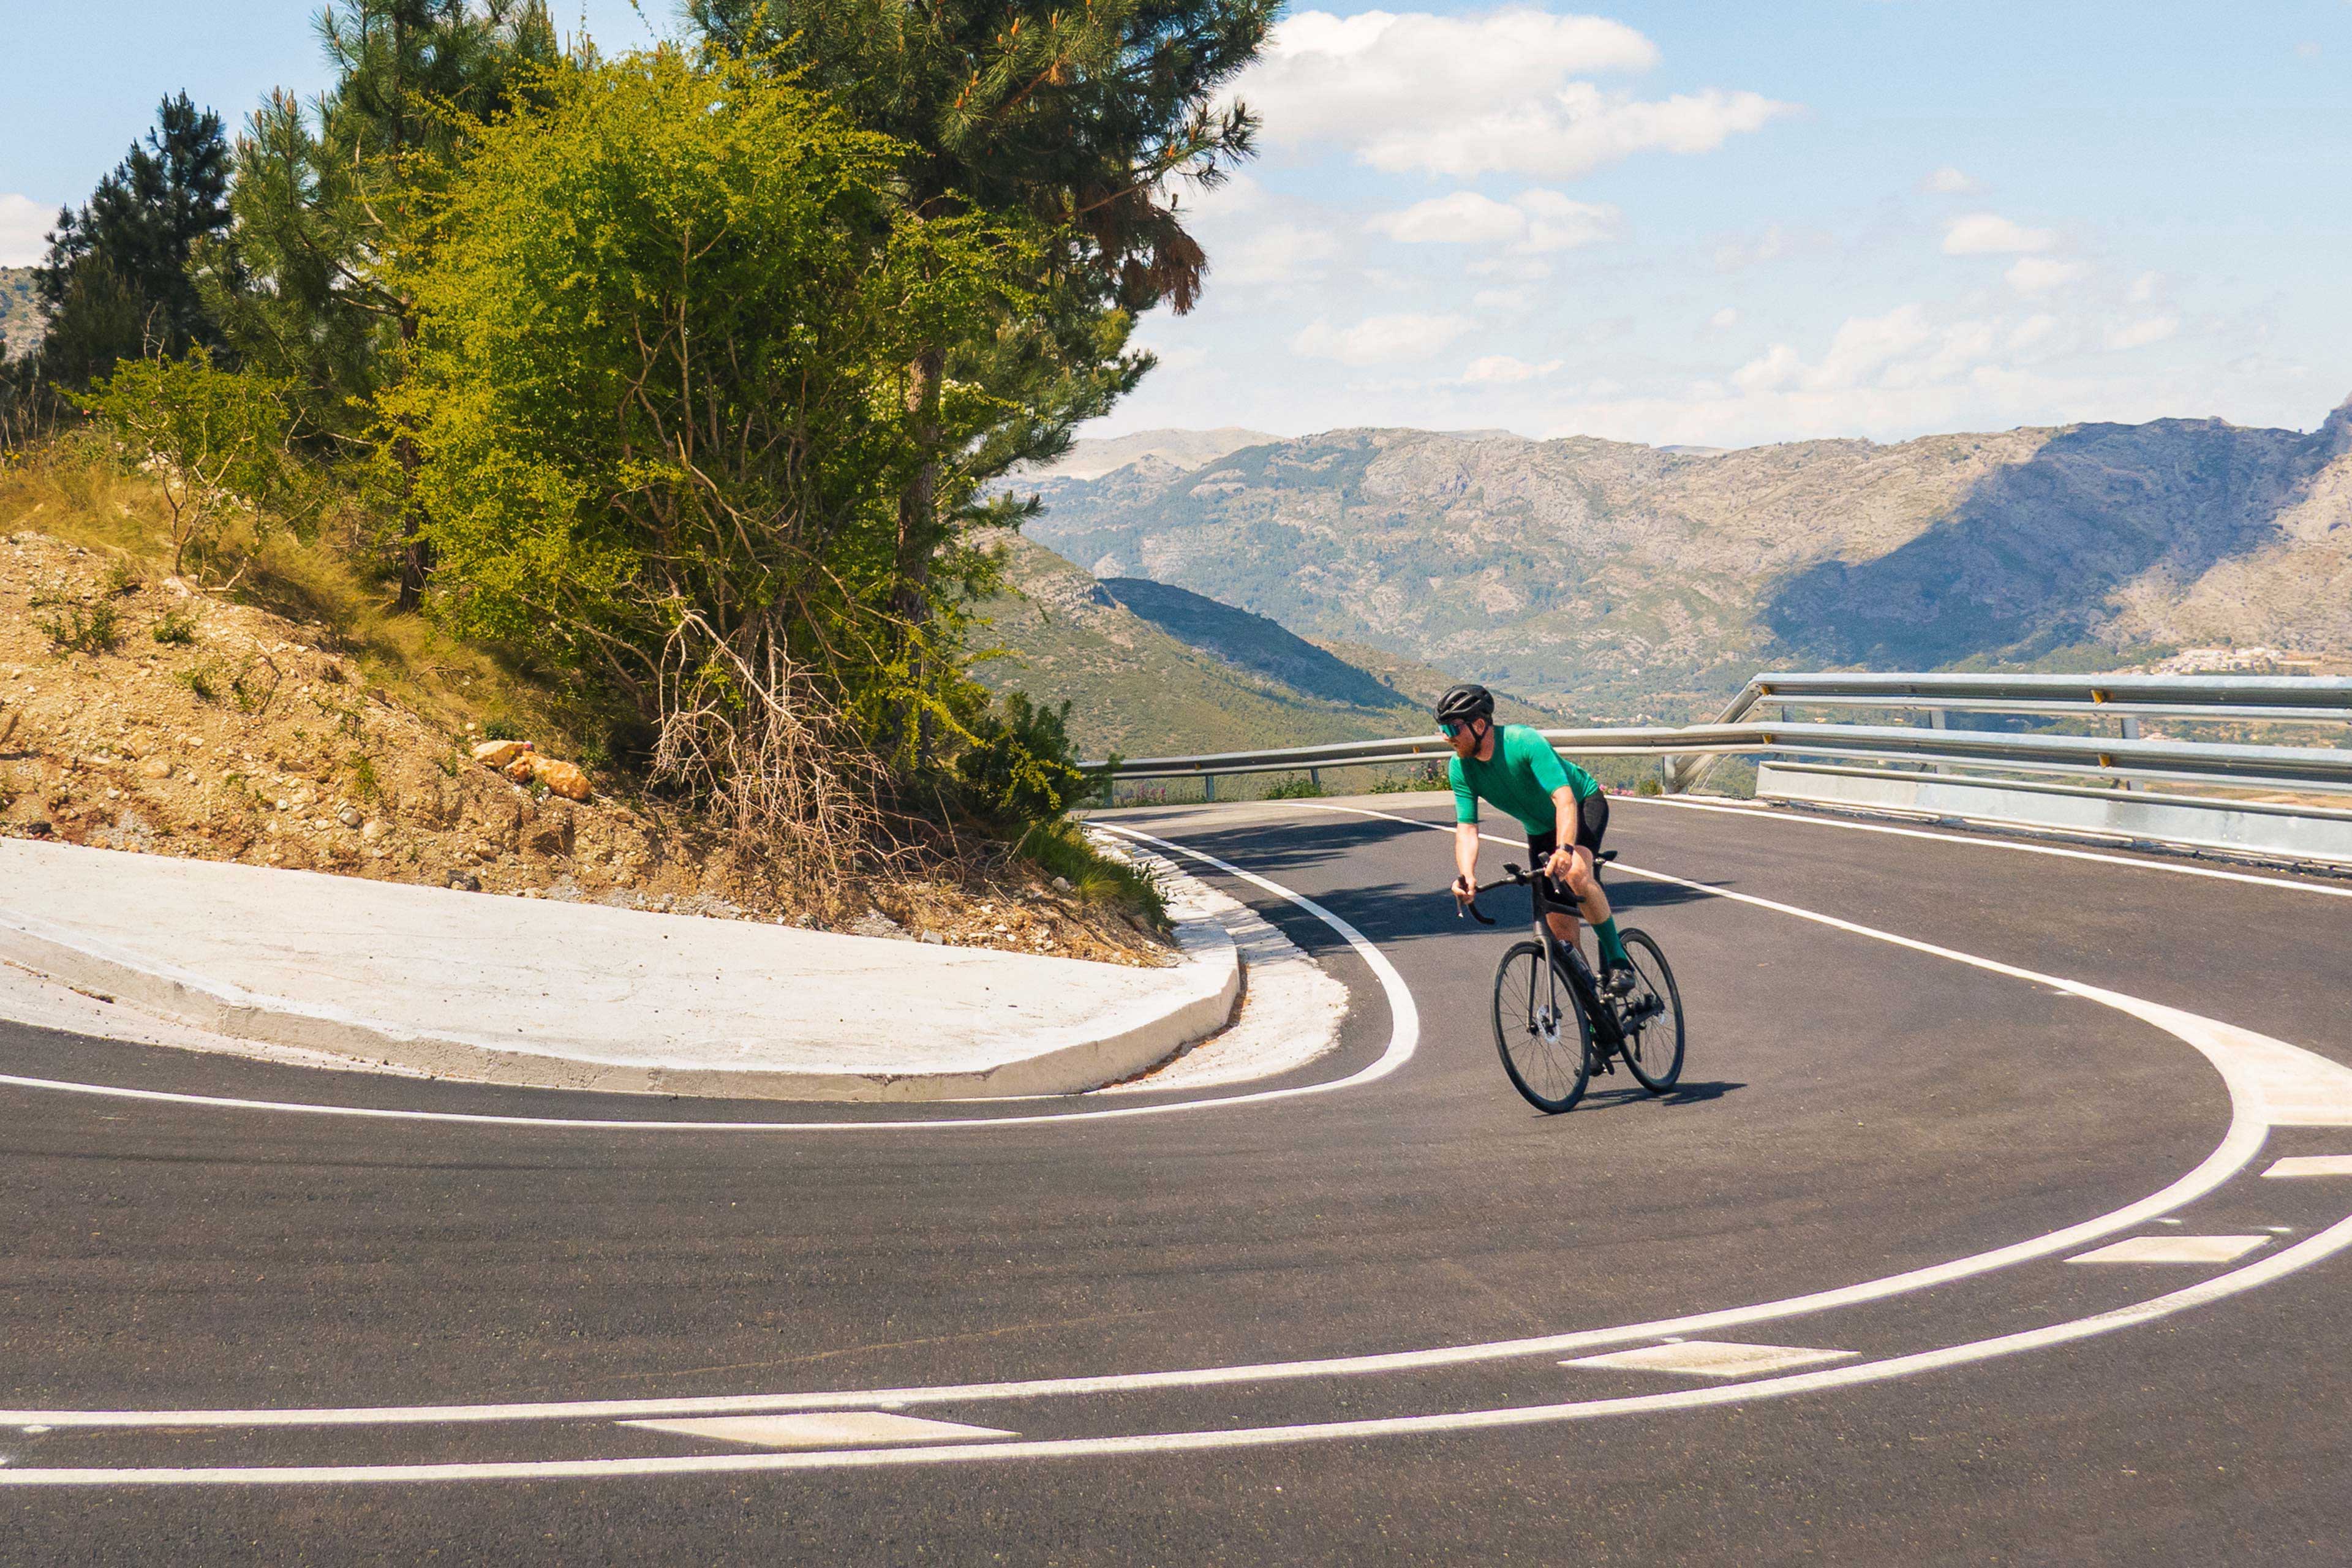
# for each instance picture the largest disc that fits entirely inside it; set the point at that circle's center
(1451, 728)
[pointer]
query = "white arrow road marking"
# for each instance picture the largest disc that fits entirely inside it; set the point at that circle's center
(1711, 1358)
(832, 1429)
(2173, 1249)
(2313, 1165)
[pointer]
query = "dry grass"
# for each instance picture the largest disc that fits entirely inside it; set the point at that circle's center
(308, 700)
(75, 489)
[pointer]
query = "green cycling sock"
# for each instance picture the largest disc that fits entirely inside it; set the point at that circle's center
(1611, 949)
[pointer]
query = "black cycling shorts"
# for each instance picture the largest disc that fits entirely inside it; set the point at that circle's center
(1591, 825)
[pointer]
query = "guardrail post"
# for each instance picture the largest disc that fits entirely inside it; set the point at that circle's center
(2128, 728)
(1209, 787)
(1315, 777)
(1938, 718)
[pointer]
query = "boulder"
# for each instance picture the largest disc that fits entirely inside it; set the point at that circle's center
(560, 778)
(500, 753)
(520, 769)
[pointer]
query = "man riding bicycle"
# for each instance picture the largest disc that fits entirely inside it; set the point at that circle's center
(1561, 805)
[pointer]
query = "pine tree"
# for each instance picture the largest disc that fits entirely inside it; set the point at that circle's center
(325, 193)
(1082, 116)
(115, 282)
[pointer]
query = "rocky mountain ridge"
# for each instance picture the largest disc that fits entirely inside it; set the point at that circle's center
(1611, 578)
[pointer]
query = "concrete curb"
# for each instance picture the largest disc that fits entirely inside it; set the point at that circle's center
(1113, 1042)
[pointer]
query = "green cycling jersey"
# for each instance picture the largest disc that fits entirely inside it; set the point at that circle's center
(1519, 779)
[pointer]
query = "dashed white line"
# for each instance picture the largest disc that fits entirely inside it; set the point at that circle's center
(2173, 1249)
(1711, 1358)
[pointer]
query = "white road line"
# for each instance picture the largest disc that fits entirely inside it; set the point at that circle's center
(2173, 1249)
(1711, 1358)
(853, 1428)
(1405, 1035)
(2313, 1165)
(2246, 1061)
(1986, 841)
(2325, 1244)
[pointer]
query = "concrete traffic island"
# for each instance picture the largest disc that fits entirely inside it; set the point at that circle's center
(558, 995)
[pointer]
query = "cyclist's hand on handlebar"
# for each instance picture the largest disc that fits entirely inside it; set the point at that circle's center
(1464, 892)
(1562, 862)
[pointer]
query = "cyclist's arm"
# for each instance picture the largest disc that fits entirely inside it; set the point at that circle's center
(1563, 805)
(1465, 854)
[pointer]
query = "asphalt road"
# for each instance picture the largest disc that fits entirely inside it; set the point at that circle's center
(1854, 1112)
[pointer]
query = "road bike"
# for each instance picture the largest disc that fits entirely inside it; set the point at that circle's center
(1555, 1026)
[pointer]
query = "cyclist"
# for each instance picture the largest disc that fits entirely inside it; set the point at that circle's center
(1561, 805)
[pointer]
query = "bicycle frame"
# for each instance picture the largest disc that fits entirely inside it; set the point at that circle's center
(1570, 956)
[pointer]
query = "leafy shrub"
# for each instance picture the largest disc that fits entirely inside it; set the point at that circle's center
(1020, 765)
(206, 680)
(1426, 776)
(175, 627)
(502, 729)
(120, 577)
(215, 440)
(78, 629)
(1296, 789)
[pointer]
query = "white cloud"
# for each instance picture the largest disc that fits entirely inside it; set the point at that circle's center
(1950, 182)
(1504, 368)
(1899, 349)
(1252, 239)
(1777, 367)
(24, 225)
(1465, 217)
(1502, 299)
(1727, 317)
(2031, 330)
(1380, 339)
(2139, 335)
(2144, 287)
(1470, 95)
(1531, 223)
(1989, 234)
(2039, 274)
(1770, 244)
(2309, 49)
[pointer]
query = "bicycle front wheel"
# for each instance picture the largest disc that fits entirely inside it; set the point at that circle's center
(1541, 1030)
(1653, 1016)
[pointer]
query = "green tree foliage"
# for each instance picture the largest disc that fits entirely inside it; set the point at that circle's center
(1083, 116)
(115, 282)
(324, 192)
(215, 440)
(664, 316)
(1020, 765)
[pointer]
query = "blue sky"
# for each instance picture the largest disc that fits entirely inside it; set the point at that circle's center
(1713, 224)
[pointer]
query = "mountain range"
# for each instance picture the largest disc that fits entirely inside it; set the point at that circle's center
(1610, 579)
(1152, 670)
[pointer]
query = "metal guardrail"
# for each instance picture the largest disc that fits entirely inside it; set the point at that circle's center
(1687, 752)
(2124, 699)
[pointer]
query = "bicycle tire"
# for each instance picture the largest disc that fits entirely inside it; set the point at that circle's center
(1537, 1052)
(1653, 1047)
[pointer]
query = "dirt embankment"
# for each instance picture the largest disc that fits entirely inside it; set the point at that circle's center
(139, 714)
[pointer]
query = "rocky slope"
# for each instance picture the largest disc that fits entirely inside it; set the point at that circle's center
(1613, 579)
(20, 312)
(1150, 670)
(138, 713)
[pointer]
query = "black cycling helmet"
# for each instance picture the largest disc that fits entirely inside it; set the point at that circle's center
(1464, 703)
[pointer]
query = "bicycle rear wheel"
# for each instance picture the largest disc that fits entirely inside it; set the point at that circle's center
(1540, 1030)
(1653, 1016)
